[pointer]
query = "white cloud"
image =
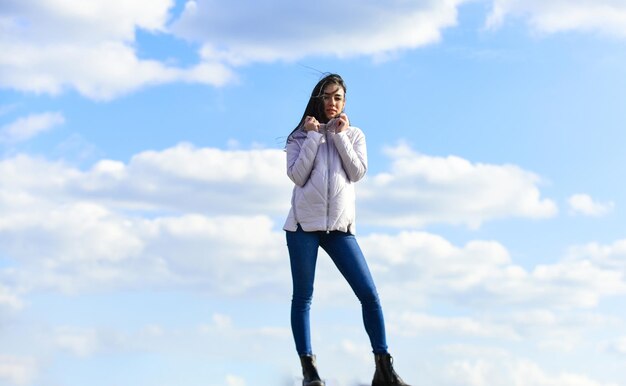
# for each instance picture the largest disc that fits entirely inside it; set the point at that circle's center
(190, 217)
(423, 189)
(86, 248)
(618, 345)
(9, 299)
(52, 45)
(102, 70)
(179, 179)
(233, 380)
(412, 324)
(86, 21)
(585, 205)
(419, 189)
(210, 180)
(61, 349)
(284, 30)
(427, 266)
(513, 371)
(51, 353)
(604, 16)
(17, 370)
(71, 231)
(559, 331)
(611, 256)
(28, 127)
(80, 342)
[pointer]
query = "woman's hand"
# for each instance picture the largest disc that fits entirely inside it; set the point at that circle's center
(311, 124)
(342, 123)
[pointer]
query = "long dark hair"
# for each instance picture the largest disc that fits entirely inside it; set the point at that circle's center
(315, 107)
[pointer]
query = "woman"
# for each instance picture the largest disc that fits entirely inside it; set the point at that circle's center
(325, 157)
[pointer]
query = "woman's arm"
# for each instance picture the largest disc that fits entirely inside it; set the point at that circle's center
(300, 157)
(353, 153)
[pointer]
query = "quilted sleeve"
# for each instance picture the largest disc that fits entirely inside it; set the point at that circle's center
(353, 153)
(300, 157)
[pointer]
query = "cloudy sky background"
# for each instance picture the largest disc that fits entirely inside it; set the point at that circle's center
(143, 190)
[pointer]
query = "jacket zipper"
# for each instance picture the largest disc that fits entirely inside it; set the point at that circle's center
(327, 185)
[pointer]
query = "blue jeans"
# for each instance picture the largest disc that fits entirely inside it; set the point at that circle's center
(345, 252)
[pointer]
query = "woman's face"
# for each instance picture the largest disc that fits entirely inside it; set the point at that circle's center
(334, 100)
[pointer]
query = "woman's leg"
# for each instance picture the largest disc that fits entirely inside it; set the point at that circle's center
(347, 256)
(302, 248)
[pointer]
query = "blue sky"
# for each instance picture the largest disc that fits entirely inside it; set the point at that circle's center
(143, 190)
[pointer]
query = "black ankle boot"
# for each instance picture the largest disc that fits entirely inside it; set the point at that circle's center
(309, 371)
(385, 374)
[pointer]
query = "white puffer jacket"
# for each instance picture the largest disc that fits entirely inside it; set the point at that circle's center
(324, 166)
